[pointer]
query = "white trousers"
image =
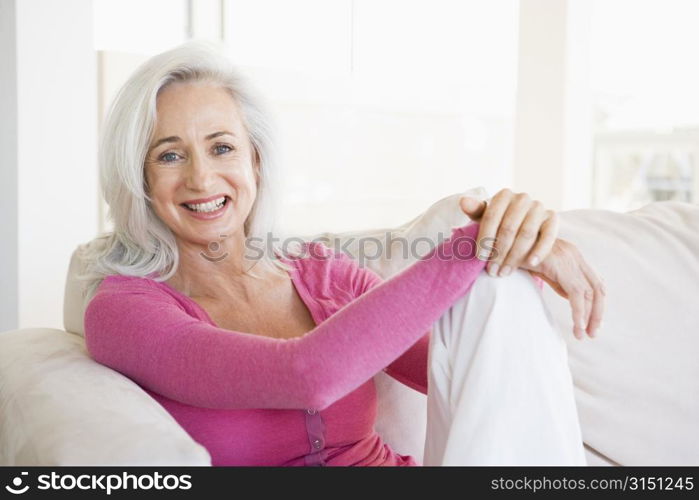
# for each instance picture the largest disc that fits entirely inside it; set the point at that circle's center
(500, 391)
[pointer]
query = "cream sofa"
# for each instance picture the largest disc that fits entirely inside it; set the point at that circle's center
(636, 383)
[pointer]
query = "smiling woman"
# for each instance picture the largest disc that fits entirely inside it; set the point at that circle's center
(188, 161)
(268, 358)
(145, 151)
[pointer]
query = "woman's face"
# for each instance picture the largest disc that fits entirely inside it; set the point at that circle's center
(199, 155)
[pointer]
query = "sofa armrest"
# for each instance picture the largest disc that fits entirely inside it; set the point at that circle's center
(59, 407)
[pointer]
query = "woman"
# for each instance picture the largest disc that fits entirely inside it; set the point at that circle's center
(267, 361)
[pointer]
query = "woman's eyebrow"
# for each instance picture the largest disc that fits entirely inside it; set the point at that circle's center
(174, 138)
(218, 134)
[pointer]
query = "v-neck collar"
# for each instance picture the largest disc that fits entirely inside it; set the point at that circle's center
(314, 308)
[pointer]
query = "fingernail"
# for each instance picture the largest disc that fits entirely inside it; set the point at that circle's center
(534, 261)
(493, 271)
(580, 323)
(483, 254)
(505, 271)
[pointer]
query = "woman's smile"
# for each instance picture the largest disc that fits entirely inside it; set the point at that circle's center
(208, 210)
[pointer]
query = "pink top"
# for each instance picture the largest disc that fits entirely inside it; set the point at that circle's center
(309, 400)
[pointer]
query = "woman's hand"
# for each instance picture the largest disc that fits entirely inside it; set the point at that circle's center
(525, 235)
(567, 272)
(522, 229)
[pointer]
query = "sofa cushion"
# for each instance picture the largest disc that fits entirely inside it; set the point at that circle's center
(637, 382)
(58, 408)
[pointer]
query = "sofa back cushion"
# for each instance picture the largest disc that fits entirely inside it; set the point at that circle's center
(637, 382)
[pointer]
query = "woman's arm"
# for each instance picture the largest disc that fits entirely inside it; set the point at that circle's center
(410, 368)
(143, 333)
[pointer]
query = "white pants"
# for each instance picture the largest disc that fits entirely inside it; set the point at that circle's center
(500, 390)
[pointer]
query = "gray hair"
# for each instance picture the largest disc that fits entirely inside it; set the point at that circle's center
(141, 243)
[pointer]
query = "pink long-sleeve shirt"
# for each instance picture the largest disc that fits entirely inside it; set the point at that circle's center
(309, 400)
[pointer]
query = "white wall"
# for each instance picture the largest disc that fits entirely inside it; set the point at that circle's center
(49, 174)
(8, 172)
(553, 124)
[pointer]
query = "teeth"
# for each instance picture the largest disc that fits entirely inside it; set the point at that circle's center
(207, 207)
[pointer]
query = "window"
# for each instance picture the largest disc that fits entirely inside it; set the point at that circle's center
(645, 82)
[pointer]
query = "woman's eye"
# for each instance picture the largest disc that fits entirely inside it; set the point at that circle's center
(168, 157)
(222, 148)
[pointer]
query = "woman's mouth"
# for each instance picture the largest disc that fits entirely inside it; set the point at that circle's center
(210, 210)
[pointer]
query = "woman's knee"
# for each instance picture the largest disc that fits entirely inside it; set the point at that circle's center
(491, 304)
(517, 287)
(497, 308)
(509, 305)
(512, 309)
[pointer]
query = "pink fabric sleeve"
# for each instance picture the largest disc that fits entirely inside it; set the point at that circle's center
(410, 368)
(147, 336)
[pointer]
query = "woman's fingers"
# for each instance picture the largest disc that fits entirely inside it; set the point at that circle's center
(472, 207)
(547, 238)
(586, 302)
(598, 296)
(591, 288)
(526, 238)
(576, 296)
(562, 266)
(513, 228)
(490, 222)
(571, 277)
(507, 232)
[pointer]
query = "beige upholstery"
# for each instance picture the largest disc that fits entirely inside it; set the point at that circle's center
(637, 383)
(58, 407)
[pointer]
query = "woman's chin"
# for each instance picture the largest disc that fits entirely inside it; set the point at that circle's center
(213, 232)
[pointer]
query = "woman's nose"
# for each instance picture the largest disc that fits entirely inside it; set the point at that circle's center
(199, 173)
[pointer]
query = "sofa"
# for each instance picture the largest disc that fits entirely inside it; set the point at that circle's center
(636, 383)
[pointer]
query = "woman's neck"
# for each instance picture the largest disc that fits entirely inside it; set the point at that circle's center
(217, 271)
